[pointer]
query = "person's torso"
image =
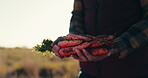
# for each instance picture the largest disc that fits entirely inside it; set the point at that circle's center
(109, 17)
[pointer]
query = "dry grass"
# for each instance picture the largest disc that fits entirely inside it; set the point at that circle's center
(22, 63)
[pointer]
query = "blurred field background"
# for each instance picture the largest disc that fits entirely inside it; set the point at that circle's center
(27, 23)
(23, 63)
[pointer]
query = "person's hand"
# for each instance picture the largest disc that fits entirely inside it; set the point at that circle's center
(56, 48)
(85, 56)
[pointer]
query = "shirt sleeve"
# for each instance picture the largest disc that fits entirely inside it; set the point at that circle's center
(135, 37)
(77, 19)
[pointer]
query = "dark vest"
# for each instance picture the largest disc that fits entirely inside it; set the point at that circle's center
(109, 17)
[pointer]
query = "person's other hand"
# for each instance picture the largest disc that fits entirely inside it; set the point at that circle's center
(85, 56)
(56, 48)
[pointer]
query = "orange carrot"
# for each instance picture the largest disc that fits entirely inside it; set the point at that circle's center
(99, 51)
(66, 51)
(82, 46)
(68, 43)
(96, 44)
(72, 50)
(75, 37)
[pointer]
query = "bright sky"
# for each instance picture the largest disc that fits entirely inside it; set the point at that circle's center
(28, 22)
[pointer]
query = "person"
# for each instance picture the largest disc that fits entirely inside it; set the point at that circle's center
(128, 19)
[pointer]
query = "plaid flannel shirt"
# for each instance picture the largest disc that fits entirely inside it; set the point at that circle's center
(132, 39)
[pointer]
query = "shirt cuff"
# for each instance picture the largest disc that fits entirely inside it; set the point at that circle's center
(123, 45)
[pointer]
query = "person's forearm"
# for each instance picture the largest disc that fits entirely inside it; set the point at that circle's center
(77, 19)
(76, 25)
(134, 38)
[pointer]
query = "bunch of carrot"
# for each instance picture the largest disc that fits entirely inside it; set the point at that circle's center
(96, 45)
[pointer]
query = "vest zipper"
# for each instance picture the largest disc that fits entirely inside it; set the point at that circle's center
(97, 33)
(97, 17)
